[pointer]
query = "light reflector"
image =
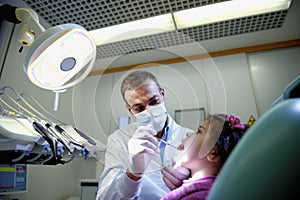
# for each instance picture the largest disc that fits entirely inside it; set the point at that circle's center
(58, 55)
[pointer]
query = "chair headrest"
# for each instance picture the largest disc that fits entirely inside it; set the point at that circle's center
(292, 90)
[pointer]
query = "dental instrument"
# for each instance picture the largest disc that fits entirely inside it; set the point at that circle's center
(167, 143)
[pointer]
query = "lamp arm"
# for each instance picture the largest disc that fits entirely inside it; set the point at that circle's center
(31, 28)
(29, 16)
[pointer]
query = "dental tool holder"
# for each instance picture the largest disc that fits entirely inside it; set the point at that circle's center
(28, 136)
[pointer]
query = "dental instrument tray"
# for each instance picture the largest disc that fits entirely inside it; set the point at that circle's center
(33, 136)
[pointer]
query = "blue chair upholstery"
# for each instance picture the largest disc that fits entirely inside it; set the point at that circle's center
(266, 162)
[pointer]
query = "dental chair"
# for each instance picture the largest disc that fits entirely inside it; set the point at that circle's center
(266, 162)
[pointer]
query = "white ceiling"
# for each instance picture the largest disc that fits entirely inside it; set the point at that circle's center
(92, 14)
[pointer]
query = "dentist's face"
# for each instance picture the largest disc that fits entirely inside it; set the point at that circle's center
(146, 95)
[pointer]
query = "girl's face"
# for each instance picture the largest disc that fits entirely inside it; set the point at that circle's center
(188, 153)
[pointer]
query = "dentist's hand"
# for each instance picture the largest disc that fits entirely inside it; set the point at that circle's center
(173, 178)
(142, 146)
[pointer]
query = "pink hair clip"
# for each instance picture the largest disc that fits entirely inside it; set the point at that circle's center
(235, 122)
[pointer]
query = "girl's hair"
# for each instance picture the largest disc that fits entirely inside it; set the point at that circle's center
(232, 131)
(136, 79)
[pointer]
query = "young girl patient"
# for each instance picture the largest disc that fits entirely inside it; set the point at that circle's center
(204, 152)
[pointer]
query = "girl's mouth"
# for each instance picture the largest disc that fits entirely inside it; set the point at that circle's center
(180, 147)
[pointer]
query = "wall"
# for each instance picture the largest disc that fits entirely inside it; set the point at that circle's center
(271, 71)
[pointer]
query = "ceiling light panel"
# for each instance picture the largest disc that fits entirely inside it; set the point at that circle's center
(198, 33)
(226, 11)
(134, 29)
(95, 14)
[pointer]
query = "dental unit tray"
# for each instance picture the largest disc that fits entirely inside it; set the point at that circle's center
(28, 136)
(11, 128)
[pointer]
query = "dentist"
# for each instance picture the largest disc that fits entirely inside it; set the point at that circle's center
(139, 157)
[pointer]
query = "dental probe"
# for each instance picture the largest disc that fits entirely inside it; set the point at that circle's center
(167, 143)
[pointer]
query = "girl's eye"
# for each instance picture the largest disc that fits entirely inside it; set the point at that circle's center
(200, 130)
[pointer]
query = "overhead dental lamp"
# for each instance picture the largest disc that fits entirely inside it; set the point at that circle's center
(57, 58)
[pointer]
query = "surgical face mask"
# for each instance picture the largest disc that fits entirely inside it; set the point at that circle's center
(155, 115)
